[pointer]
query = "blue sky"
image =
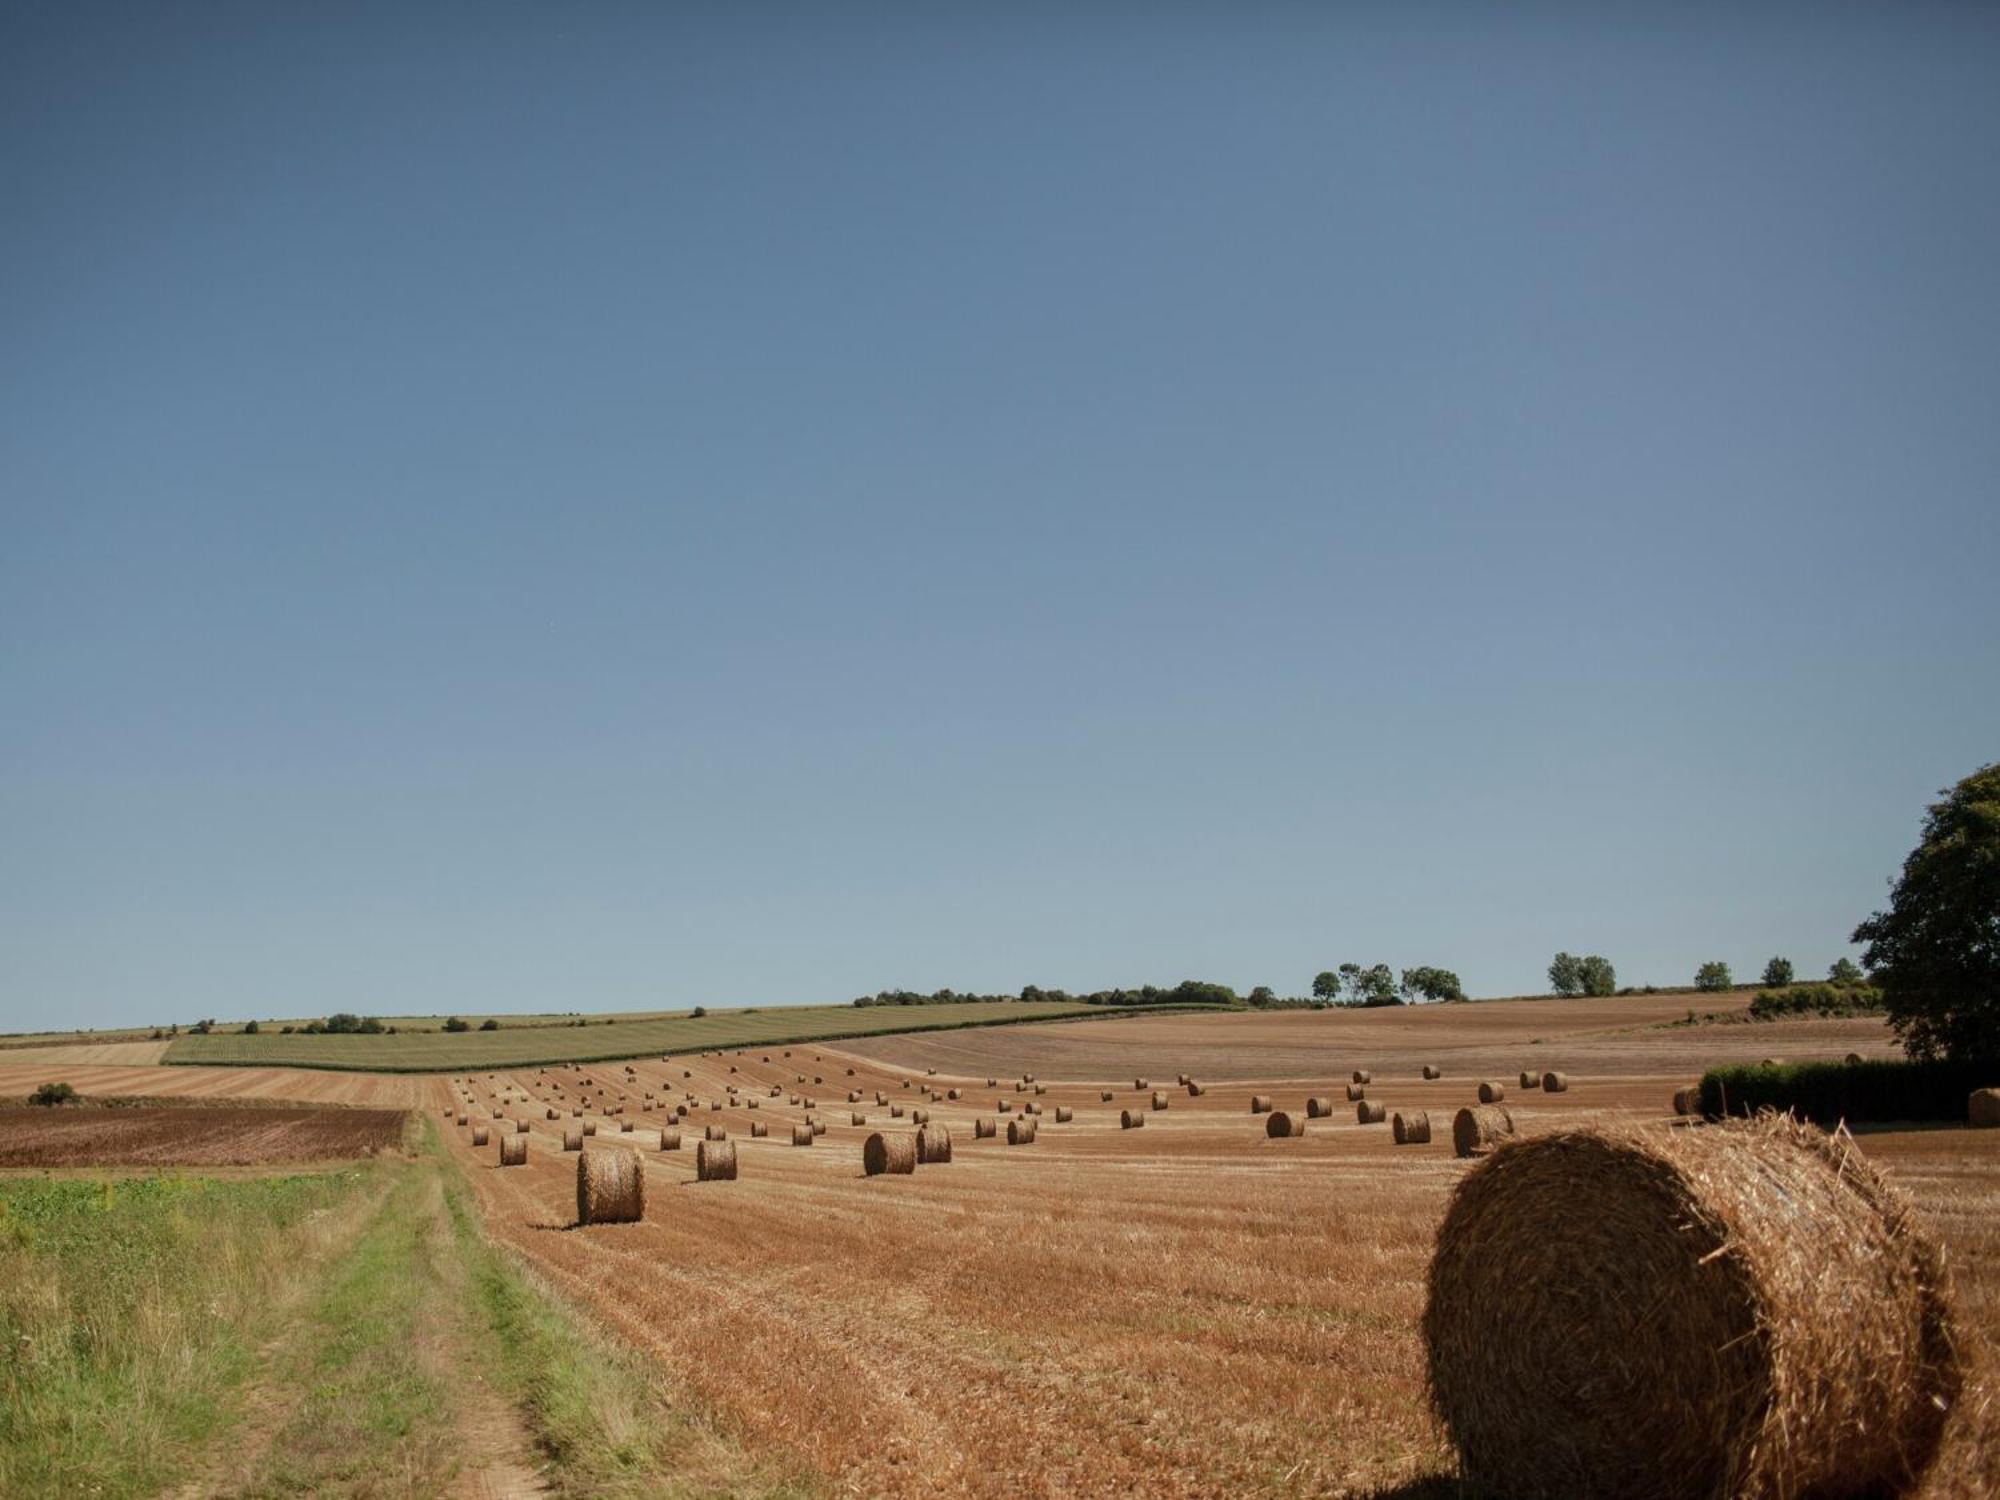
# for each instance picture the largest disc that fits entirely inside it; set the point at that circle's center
(601, 507)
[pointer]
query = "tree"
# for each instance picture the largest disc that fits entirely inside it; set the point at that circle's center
(1326, 985)
(1936, 951)
(1566, 974)
(455, 1023)
(49, 1095)
(1261, 996)
(1713, 975)
(1432, 984)
(251, 1028)
(491, 1023)
(1599, 978)
(1844, 971)
(1778, 973)
(698, 1012)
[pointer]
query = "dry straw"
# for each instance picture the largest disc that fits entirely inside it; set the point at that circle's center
(513, 1150)
(1260, 1104)
(1103, 1097)
(1432, 1070)
(1555, 1083)
(1362, 1075)
(758, 1130)
(1064, 1114)
(590, 1127)
(933, 1144)
(855, 1117)
(715, 1161)
(1492, 1091)
(1476, 1131)
(624, 1127)
(1319, 1107)
(670, 1140)
(1130, 1119)
(1368, 1112)
(1279, 1125)
(1982, 1110)
(802, 1135)
(461, 1119)
(714, 1133)
(1687, 1101)
(1530, 1080)
(984, 1130)
(1159, 1099)
(1141, 1085)
(1747, 1310)
(610, 1187)
(1413, 1129)
(480, 1135)
(1021, 1132)
(1356, 1091)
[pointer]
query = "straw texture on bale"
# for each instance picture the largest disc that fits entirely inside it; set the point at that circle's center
(572, 1140)
(923, 1116)
(590, 1127)
(624, 1127)
(1196, 1090)
(758, 1130)
(1279, 1125)
(895, 1111)
(1530, 1080)
(714, 1133)
(855, 1117)
(715, 1161)
(1368, 1112)
(549, 1114)
(818, 1126)
(984, 1129)
(933, 1144)
(1362, 1075)
(1476, 1131)
(461, 1119)
(1021, 1132)
(1319, 1107)
(1432, 1070)
(1064, 1114)
(670, 1140)
(1413, 1129)
(1796, 1339)
(1130, 1119)
(1140, 1084)
(802, 1135)
(1492, 1091)
(1159, 1099)
(1260, 1104)
(1356, 1091)
(513, 1150)
(610, 1187)
(480, 1135)
(1555, 1083)
(951, 1093)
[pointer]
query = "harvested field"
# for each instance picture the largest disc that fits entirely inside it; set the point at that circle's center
(303, 1085)
(193, 1135)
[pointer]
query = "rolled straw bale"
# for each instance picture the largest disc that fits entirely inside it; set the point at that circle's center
(590, 1127)
(1555, 1083)
(922, 1116)
(1687, 1101)
(715, 1161)
(1025, 1077)
(855, 1117)
(894, 1154)
(480, 1135)
(576, 1114)
(802, 1135)
(1474, 1132)
(572, 1140)
(1368, 1112)
(1140, 1084)
(714, 1133)
(1064, 1114)
(818, 1126)
(1492, 1091)
(549, 1114)
(1159, 1099)
(461, 1119)
(1432, 1070)
(1181, 1079)
(895, 1111)
(1041, 1088)
(854, 1096)
(951, 1093)
(1771, 1062)
(759, 1130)
(1020, 1132)
(1982, 1110)
(670, 1140)
(984, 1129)
(610, 1187)
(1030, 1108)
(1196, 1090)
(1260, 1104)
(1002, 1106)
(624, 1127)
(1130, 1119)
(513, 1150)
(1279, 1125)
(1020, 1088)
(1318, 1107)
(1103, 1097)
(1413, 1129)
(1362, 1075)
(933, 1144)
(1530, 1080)
(993, 1083)
(1356, 1091)
(1796, 1337)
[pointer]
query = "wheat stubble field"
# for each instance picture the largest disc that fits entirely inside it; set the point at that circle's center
(1188, 1308)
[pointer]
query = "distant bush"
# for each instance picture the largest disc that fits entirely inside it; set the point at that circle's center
(455, 1023)
(49, 1095)
(1778, 973)
(698, 1012)
(1844, 971)
(251, 1028)
(1713, 975)
(202, 1028)
(489, 1024)
(1816, 1000)
(1829, 1092)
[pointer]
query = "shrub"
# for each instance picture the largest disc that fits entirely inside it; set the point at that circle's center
(1816, 1000)
(489, 1024)
(1778, 973)
(1713, 975)
(1844, 971)
(1828, 1092)
(49, 1095)
(698, 1012)
(251, 1028)
(454, 1023)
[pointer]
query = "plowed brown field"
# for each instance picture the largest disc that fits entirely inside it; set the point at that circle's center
(302, 1084)
(192, 1136)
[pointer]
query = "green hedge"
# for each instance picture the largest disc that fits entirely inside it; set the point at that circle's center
(1828, 1092)
(1816, 1000)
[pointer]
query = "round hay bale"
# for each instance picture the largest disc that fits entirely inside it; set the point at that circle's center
(1021, 1132)
(895, 1111)
(1853, 1058)
(480, 1135)
(923, 1116)
(894, 1154)
(1318, 1107)
(1687, 1101)
(513, 1150)
(1797, 1338)
(1103, 1097)
(1279, 1125)
(1064, 1114)
(1771, 1062)
(802, 1135)
(818, 1127)
(624, 1127)
(933, 1144)
(1130, 1119)
(1140, 1085)
(1025, 1077)
(1982, 1110)
(1492, 1091)
(714, 1133)
(1356, 1091)
(854, 1096)
(855, 1117)
(1030, 1108)
(1002, 1106)
(461, 1120)
(951, 1093)
(572, 1140)
(1432, 1070)
(1555, 1083)
(1413, 1129)
(993, 1083)
(759, 1130)
(984, 1129)
(1260, 1104)
(549, 1115)
(590, 1127)
(715, 1161)
(1474, 1132)
(1530, 1080)
(1159, 1099)
(1368, 1112)
(670, 1140)
(610, 1187)
(1362, 1075)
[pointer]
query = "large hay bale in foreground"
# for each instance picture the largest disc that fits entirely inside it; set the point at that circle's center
(1279, 1125)
(894, 1154)
(1795, 1337)
(610, 1187)
(513, 1150)
(1492, 1091)
(715, 1161)
(1982, 1110)
(1474, 1132)
(933, 1144)
(1413, 1129)
(1368, 1112)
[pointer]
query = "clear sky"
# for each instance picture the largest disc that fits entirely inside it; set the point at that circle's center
(599, 507)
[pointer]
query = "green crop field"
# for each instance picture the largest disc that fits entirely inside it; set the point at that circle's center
(602, 1041)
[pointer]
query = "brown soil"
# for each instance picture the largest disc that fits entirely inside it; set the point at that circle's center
(193, 1136)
